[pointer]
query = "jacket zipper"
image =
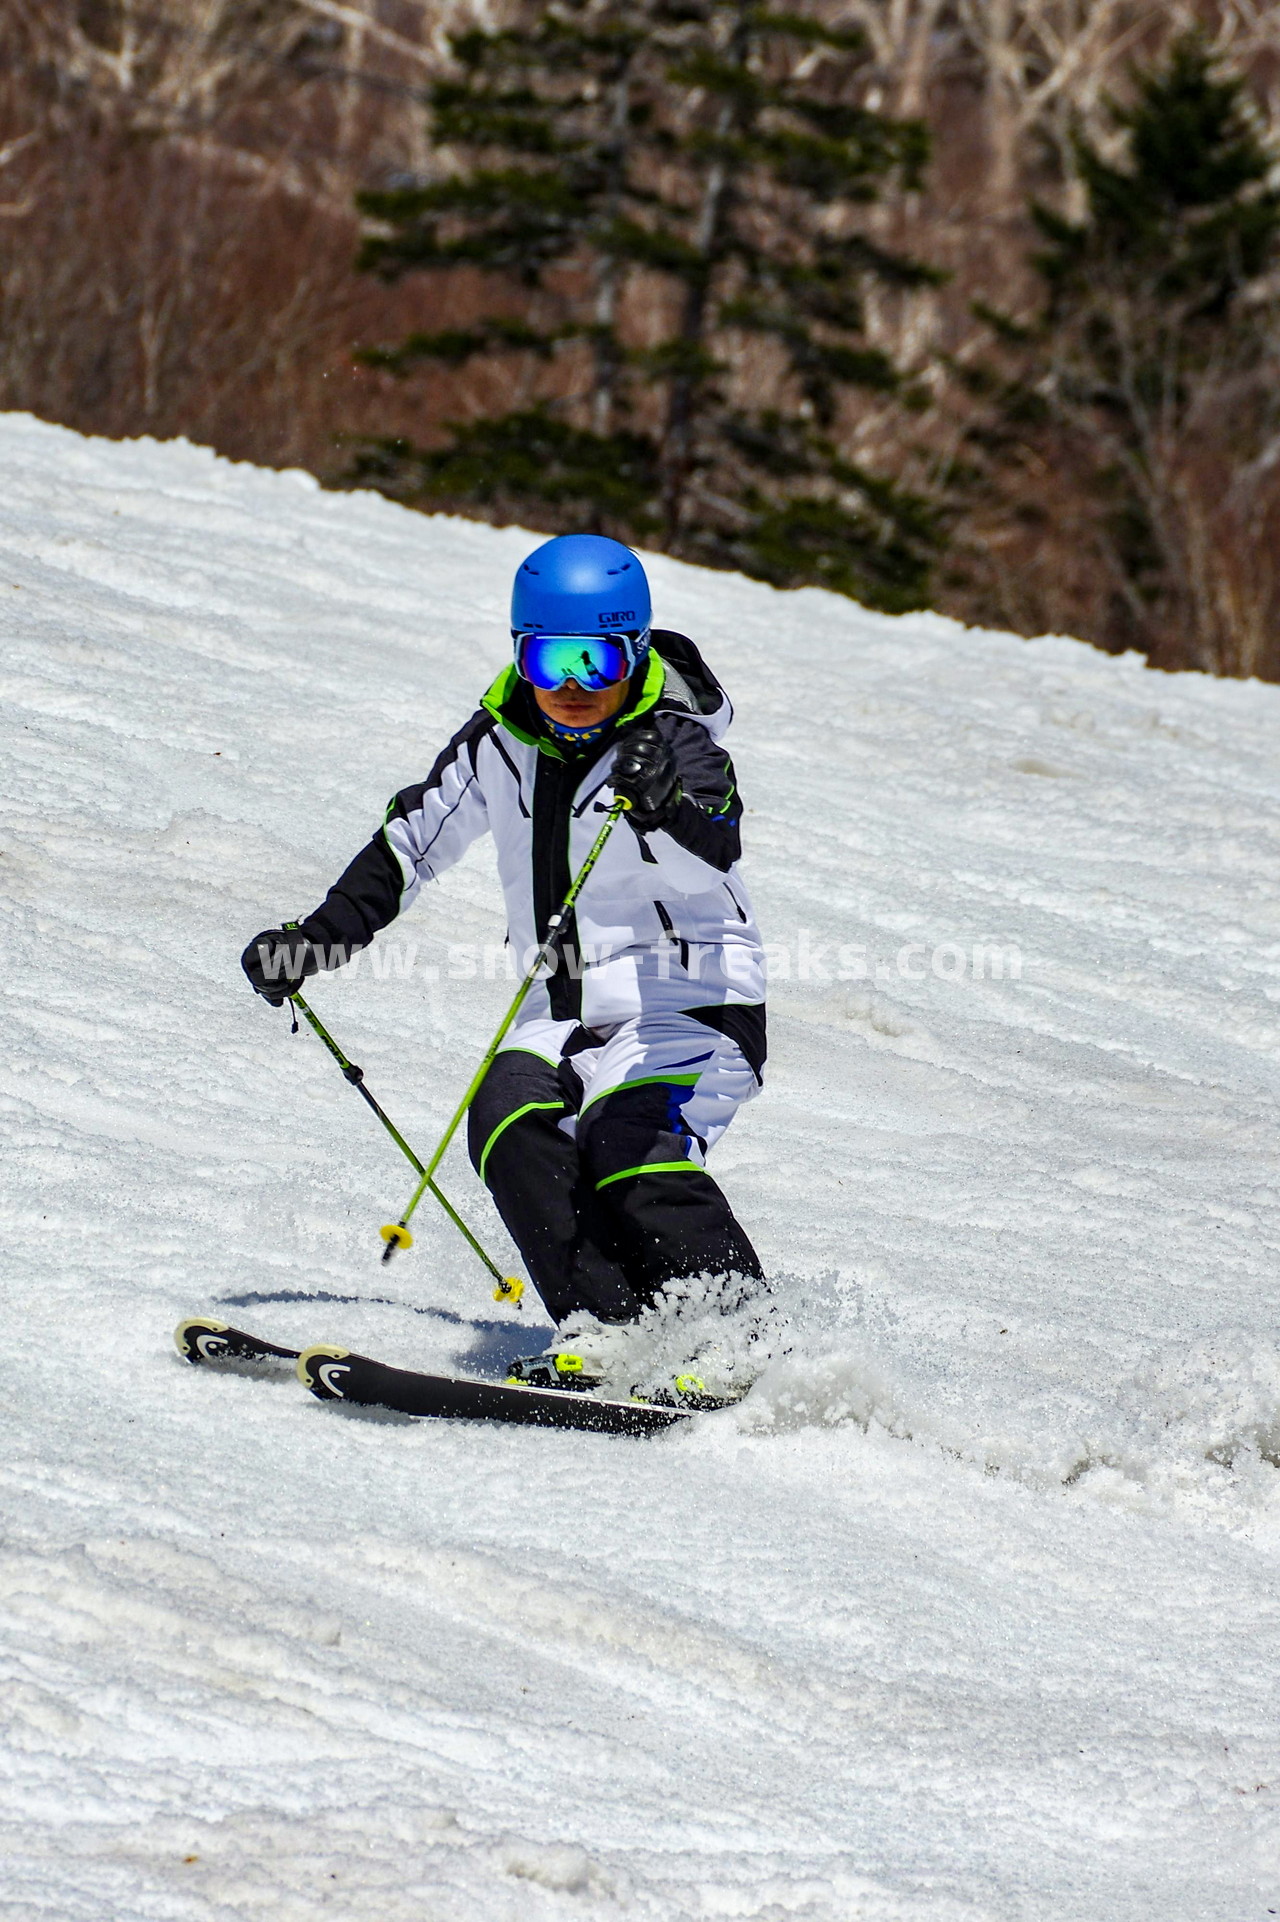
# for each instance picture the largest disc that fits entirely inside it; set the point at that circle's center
(676, 940)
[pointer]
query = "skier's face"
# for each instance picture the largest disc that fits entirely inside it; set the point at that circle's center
(575, 706)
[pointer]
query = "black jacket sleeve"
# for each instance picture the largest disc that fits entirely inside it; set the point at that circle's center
(364, 898)
(707, 822)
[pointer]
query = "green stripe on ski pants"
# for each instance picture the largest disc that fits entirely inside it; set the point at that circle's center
(528, 1108)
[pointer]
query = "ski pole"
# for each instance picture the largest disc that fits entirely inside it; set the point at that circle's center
(509, 1287)
(396, 1234)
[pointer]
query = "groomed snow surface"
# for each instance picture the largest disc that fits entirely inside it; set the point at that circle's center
(969, 1611)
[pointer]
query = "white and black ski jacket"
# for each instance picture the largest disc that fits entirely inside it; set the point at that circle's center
(663, 923)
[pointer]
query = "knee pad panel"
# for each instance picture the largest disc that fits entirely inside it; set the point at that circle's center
(515, 1080)
(633, 1125)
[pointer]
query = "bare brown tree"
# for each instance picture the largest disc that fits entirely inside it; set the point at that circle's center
(176, 222)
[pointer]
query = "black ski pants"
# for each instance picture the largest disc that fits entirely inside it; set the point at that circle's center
(604, 1215)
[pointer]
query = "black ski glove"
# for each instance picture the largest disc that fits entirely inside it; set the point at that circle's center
(644, 773)
(277, 961)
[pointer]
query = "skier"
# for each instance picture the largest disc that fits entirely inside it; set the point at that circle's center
(627, 1063)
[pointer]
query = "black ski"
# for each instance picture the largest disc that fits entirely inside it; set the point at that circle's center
(334, 1374)
(201, 1338)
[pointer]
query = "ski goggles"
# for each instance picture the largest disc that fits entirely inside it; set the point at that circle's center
(592, 660)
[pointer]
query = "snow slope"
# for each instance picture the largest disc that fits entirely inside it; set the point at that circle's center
(970, 1611)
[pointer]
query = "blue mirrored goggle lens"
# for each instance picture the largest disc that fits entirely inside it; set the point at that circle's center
(592, 660)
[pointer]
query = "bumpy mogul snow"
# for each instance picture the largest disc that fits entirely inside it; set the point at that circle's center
(969, 1611)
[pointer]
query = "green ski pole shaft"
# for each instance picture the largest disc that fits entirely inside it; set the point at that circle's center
(398, 1236)
(508, 1288)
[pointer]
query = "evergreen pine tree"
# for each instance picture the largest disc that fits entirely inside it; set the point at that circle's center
(667, 200)
(1148, 375)
(544, 117)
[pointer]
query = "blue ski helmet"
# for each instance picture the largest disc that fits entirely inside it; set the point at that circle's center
(582, 584)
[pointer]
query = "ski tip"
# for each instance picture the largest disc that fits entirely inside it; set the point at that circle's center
(192, 1340)
(320, 1369)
